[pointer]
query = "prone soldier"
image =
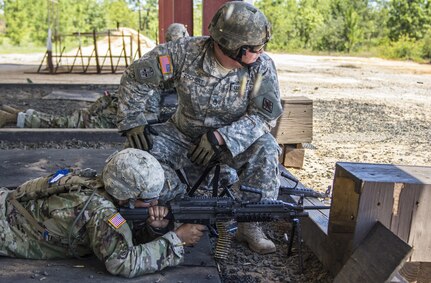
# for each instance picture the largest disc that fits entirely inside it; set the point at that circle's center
(76, 214)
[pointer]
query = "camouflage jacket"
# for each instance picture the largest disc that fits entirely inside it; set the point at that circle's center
(239, 107)
(100, 231)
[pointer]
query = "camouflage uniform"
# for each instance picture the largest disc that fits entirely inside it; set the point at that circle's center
(101, 114)
(208, 100)
(100, 230)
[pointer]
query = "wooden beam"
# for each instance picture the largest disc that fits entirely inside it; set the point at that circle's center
(293, 155)
(377, 258)
(29, 135)
(209, 8)
(183, 13)
(295, 125)
(166, 17)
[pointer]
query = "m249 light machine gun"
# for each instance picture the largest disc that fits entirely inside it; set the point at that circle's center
(216, 210)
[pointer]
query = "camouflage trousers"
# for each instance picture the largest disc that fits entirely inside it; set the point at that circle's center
(256, 167)
(101, 114)
(9, 244)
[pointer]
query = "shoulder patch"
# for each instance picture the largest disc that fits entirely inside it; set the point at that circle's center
(165, 64)
(147, 71)
(116, 220)
(268, 106)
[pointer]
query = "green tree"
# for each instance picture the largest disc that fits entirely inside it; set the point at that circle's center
(281, 15)
(307, 20)
(16, 17)
(352, 30)
(118, 12)
(408, 18)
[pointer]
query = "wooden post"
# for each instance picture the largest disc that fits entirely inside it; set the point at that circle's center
(110, 52)
(166, 17)
(183, 13)
(99, 70)
(377, 258)
(209, 8)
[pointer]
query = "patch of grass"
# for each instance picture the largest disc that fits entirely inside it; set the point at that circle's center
(6, 49)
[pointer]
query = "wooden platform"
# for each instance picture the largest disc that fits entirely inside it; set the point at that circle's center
(28, 135)
(199, 266)
(363, 194)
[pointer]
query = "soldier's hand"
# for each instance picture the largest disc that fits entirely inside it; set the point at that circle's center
(190, 234)
(157, 216)
(208, 147)
(140, 137)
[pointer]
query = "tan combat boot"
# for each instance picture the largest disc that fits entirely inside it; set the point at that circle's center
(257, 241)
(7, 118)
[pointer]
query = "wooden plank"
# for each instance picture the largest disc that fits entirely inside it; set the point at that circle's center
(344, 207)
(368, 172)
(198, 266)
(74, 94)
(28, 135)
(374, 204)
(315, 232)
(377, 258)
(296, 123)
(293, 155)
(416, 272)
(420, 235)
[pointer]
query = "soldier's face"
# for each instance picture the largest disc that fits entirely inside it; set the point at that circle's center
(250, 57)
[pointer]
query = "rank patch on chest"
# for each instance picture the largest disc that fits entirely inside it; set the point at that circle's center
(165, 64)
(116, 220)
(267, 105)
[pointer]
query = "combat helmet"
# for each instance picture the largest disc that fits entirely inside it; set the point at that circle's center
(133, 174)
(238, 24)
(175, 31)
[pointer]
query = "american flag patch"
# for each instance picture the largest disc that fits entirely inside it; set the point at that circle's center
(116, 220)
(165, 64)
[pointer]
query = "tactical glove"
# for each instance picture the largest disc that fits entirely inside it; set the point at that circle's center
(140, 137)
(207, 148)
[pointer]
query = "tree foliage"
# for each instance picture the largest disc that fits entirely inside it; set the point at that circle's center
(316, 25)
(409, 18)
(27, 21)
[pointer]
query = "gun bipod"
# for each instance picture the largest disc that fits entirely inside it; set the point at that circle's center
(296, 227)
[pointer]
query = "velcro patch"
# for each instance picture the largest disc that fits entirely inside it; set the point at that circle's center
(165, 64)
(116, 220)
(267, 105)
(146, 72)
(58, 175)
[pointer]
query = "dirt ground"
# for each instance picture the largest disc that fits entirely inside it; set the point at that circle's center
(365, 110)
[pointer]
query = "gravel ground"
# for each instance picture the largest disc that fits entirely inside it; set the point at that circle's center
(365, 110)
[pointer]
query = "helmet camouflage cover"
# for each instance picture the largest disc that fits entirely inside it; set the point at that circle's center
(133, 174)
(238, 24)
(176, 31)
